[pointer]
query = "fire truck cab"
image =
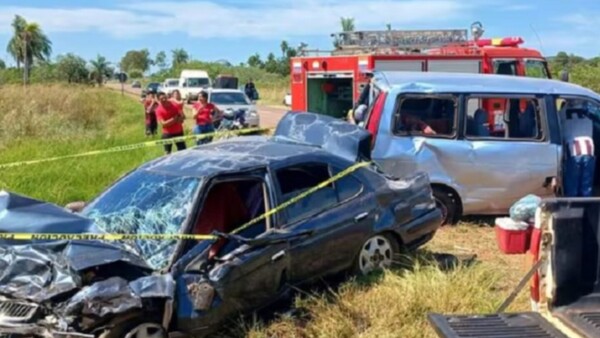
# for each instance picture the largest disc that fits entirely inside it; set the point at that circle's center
(331, 84)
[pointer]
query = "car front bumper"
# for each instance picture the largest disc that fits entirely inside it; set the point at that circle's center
(252, 121)
(37, 331)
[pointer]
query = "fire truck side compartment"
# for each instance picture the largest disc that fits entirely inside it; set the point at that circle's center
(335, 104)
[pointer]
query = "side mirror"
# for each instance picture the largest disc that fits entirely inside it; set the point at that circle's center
(184, 85)
(76, 207)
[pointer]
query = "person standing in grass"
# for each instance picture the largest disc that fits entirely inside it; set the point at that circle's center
(176, 98)
(150, 105)
(171, 119)
(205, 113)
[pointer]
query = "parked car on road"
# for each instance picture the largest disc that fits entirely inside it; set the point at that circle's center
(136, 84)
(287, 100)
(154, 87)
(146, 288)
(235, 100)
(485, 140)
(170, 85)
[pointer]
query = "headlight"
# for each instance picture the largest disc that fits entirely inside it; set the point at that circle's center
(252, 113)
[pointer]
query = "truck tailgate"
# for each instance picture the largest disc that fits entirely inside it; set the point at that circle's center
(502, 325)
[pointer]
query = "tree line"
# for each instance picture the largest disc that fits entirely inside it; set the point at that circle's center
(31, 49)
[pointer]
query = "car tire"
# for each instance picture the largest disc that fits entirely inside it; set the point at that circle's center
(139, 327)
(377, 252)
(447, 204)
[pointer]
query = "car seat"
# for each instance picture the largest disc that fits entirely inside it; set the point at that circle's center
(223, 211)
(527, 123)
(476, 125)
(480, 120)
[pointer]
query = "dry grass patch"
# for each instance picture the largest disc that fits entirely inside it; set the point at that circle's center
(395, 304)
(52, 111)
(272, 94)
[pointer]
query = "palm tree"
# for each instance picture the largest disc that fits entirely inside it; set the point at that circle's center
(100, 69)
(284, 48)
(180, 56)
(347, 24)
(14, 47)
(28, 44)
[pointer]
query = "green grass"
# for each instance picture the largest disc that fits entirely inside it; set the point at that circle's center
(79, 178)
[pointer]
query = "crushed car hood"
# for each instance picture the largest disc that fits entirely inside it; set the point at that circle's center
(41, 270)
(26, 215)
(333, 135)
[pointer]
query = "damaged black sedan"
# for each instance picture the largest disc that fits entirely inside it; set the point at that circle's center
(152, 288)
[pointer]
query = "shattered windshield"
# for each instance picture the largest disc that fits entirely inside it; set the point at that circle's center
(146, 203)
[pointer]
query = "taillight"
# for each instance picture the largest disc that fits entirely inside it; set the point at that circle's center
(372, 124)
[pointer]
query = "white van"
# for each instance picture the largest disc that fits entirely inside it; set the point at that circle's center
(191, 82)
(170, 85)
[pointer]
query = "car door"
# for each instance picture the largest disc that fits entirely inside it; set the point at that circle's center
(498, 169)
(248, 274)
(338, 226)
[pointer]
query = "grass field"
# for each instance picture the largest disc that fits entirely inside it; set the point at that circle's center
(57, 120)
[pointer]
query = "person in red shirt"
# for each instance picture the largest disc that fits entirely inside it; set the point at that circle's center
(176, 99)
(205, 113)
(171, 119)
(150, 105)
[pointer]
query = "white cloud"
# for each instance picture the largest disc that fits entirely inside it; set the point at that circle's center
(573, 33)
(518, 8)
(267, 20)
(580, 21)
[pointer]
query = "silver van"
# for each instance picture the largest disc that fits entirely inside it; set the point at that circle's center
(485, 140)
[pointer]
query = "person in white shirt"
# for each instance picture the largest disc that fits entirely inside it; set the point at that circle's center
(578, 128)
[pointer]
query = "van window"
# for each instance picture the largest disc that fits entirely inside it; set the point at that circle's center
(197, 81)
(426, 116)
(521, 118)
(536, 68)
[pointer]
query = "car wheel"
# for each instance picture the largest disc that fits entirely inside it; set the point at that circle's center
(139, 328)
(447, 204)
(376, 253)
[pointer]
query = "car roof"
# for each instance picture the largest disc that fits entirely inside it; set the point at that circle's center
(234, 155)
(432, 82)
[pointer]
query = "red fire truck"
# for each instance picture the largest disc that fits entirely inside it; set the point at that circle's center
(331, 84)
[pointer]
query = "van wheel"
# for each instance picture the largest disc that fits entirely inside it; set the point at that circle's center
(446, 202)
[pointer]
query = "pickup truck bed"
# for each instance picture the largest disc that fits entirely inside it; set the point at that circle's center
(503, 325)
(574, 253)
(582, 316)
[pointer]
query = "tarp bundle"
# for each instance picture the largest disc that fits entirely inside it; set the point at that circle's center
(524, 209)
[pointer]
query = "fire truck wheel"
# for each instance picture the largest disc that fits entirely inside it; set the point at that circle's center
(446, 202)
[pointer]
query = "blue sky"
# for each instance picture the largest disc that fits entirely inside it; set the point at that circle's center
(235, 29)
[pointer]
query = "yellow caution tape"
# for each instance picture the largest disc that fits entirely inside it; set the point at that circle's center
(162, 237)
(134, 146)
(295, 199)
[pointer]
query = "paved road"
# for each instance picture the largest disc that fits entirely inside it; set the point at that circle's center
(269, 115)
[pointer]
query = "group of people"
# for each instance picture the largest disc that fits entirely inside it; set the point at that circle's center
(168, 112)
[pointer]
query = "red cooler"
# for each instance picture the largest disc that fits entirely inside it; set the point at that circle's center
(513, 237)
